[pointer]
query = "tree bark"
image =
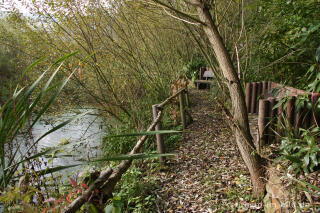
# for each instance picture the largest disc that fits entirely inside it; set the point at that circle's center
(240, 116)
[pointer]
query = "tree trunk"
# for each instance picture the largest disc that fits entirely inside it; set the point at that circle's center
(240, 116)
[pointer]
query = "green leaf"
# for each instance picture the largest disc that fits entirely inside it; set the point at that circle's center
(31, 66)
(108, 208)
(314, 160)
(306, 160)
(318, 55)
(93, 209)
(55, 169)
(63, 58)
(146, 133)
(293, 159)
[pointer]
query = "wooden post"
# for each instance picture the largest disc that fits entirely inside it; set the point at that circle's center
(183, 115)
(248, 96)
(269, 86)
(279, 121)
(190, 120)
(262, 122)
(254, 98)
(160, 144)
(290, 110)
(265, 89)
(259, 92)
(187, 98)
(306, 115)
(273, 119)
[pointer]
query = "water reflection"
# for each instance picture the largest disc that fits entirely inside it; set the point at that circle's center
(81, 138)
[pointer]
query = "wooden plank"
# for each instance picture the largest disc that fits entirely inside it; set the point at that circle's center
(203, 81)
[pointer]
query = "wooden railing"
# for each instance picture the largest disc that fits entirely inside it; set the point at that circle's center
(108, 178)
(261, 97)
(156, 108)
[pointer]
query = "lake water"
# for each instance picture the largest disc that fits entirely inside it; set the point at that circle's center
(82, 138)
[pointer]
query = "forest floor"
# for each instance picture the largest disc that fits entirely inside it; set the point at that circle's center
(208, 173)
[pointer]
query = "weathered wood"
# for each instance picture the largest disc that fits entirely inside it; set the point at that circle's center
(161, 105)
(204, 81)
(272, 119)
(259, 94)
(279, 122)
(160, 143)
(202, 70)
(248, 96)
(263, 122)
(265, 89)
(307, 115)
(269, 86)
(290, 110)
(254, 98)
(182, 110)
(187, 98)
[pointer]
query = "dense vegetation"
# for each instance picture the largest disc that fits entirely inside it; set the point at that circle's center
(129, 54)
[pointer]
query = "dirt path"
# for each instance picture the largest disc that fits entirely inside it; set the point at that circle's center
(208, 174)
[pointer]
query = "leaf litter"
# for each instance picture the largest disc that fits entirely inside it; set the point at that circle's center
(208, 173)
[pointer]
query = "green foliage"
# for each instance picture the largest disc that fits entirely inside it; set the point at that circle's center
(284, 38)
(192, 68)
(314, 73)
(115, 207)
(303, 152)
(118, 145)
(14, 116)
(136, 191)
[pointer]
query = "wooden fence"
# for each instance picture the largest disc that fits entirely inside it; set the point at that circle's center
(183, 103)
(261, 97)
(108, 178)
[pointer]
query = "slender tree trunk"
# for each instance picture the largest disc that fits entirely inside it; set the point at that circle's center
(242, 133)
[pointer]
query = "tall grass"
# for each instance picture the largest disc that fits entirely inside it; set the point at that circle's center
(19, 109)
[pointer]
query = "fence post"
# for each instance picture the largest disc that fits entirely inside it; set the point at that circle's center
(259, 92)
(160, 144)
(254, 98)
(290, 111)
(248, 96)
(187, 97)
(263, 122)
(182, 111)
(265, 89)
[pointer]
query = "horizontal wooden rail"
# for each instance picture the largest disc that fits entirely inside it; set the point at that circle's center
(165, 102)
